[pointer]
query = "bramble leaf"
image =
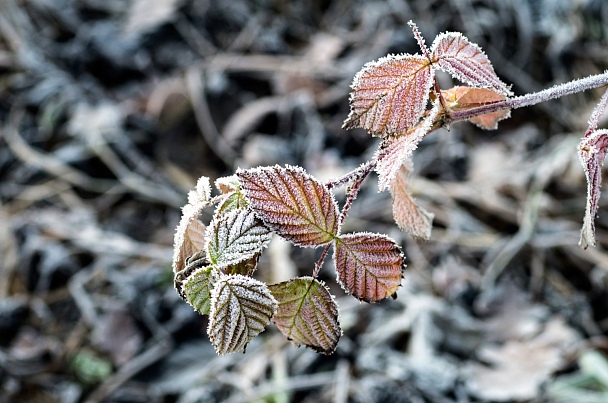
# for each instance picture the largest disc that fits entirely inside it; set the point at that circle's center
(453, 53)
(231, 201)
(228, 184)
(592, 152)
(393, 152)
(188, 237)
(368, 265)
(408, 215)
(235, 237)
(244, 267)
(389, 95)
(469, 97)
(197, 288)
(241, 307)
(307, 314)
(292, 203)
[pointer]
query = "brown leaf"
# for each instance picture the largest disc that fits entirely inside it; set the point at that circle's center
(408, 215)
(292, 203)
(469, 97)
(368, 265)
(389, 95)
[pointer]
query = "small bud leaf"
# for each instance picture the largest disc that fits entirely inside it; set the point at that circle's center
(307, 314)
(241, 307)
(292, 203)
(389, 95)
(235, 237)
(469, 97)
(369, 266)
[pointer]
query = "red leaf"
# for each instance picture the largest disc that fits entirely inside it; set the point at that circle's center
(368, 265)
(470, 97)
(453, 53)
(394, 152)
(292, 203)
(592, 152)
(389, 96)
(408, 215)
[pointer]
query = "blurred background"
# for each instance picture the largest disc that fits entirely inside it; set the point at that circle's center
(109, 112)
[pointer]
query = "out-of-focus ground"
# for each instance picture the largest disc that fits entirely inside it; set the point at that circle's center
(109, 112)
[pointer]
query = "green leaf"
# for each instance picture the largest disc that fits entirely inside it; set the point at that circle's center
(292, 203)
(235, 237)
(245, 267)
(197, 288)
(241, 307)
(231, 201)
(307, 314)
(368, 265)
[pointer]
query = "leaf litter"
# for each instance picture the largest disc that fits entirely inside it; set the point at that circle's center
(88, 240)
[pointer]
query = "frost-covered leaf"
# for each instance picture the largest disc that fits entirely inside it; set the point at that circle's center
(230, 202)
(197, 288)
(228, 184)
(292, 203)
(368, 265)
(307, 314)
(234, 237)
(194, 262)
(245, 267)
(452, 52)
(408, 215)
(592, 152)
(189, 235)
(393, 152)
(202, 193)
(241, 307)
(469, 97)
(389, 95)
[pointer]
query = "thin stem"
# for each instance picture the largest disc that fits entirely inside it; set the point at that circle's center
(352, 195)
(362, 171)
(319, 263)
(557, 91)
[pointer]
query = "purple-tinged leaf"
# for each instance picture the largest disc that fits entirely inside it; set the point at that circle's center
(189, 235)
(241, 307)
(235, 237)
(369, 266)
(592, 152)
(197, 287)
(292, 203)
(408, 215)
(307, 314)
(597, 113)
(469, 97)
(453, 53)
(393, 152)
(389, 95)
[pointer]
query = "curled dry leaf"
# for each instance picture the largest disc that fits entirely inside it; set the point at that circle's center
(307, 314)
(389, 95)
(235, 237)
(394, 151)
(408, 215)
(292, 203)
(369, 266)
(592, 152)
(453, 53)
(241, 307)
(469, 97)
